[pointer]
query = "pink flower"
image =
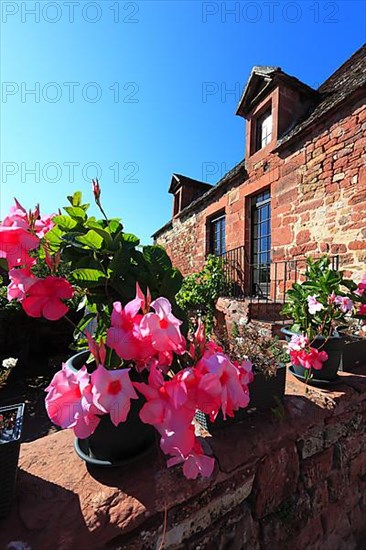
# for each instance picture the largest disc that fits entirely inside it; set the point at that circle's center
(344, 303)
(17, 217)
(124, 335)
(98, 351)
(361, 287)
(312, 358)
(112, 392)
(69, 402)
(20, 282)
(15, 244)
(313, 305)
(170, 407)
(298, 342)
(194, 463)
(198, 342)
(234, 394)
(44, 224)
(43, 298)
(163, 328)
(362, 309)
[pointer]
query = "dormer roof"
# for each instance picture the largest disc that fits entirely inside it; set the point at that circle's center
(178, 180)
(261, 82)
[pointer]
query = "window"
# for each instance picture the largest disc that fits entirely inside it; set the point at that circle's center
(261, 243)
(217, 235)
(264, 129)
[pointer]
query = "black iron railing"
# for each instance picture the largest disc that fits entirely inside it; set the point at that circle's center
(287, 272)
(267, 281)
(234, 270)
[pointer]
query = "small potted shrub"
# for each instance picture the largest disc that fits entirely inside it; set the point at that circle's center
(11, 422)
(354, 331)
(268, 357)
(317, 306)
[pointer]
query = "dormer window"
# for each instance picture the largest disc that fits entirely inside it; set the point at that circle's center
(264, 129)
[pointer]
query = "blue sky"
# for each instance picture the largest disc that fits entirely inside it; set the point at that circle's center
(137, 90)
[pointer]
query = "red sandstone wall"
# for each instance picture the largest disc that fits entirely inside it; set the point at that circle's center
(318, 199)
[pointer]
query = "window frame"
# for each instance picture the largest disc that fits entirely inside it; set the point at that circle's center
(215, 237)
(261, 140)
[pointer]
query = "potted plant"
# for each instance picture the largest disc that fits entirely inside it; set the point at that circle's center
(317, 306)
(354, 331)
(140, 367)
(11, 422)
(268, 357)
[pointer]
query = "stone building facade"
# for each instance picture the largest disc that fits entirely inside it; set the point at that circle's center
(301, 189)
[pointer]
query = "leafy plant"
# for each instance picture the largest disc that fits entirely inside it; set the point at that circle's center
(200, 291)
(104, 263)
(316, 304)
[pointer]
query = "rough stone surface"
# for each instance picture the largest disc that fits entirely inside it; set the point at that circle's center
(299, 482)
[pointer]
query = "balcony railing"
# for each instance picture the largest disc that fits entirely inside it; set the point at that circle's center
(265, 282)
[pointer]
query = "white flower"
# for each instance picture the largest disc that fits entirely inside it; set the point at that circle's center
(9, 363)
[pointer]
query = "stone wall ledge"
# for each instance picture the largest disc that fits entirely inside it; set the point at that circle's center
(294, 477)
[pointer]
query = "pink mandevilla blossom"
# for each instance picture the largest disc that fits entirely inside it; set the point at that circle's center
(195, 463)
(44, 224)
(345, 304)
(69, 402)
(170, 408)
(43, 298)
(15, 244)
(20, 282)
(298, 342)
(163, 328)
(112, 392)
(234, 394)
(124, 335)
(17, 217)
(361, 287)
(313, 305)
(312, 358)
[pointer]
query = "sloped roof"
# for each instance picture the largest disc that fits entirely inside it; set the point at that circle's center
(347, 79)
(239, 169)
(262, 80)
(178, 180)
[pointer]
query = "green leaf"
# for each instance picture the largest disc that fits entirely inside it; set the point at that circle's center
(75, 199)
(98, 228)
(91, 240)
(131, 240)
(120, 263)
(115, 226)
(76, 212)
(3, 264)
(54, 237)
(88, 277)
(157, 257)
(171, 283)
(65, 223)
(85, 321)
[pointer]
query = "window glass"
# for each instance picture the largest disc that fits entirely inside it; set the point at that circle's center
(217, 236)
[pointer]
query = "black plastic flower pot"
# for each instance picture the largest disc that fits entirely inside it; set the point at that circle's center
(266, 392)
(354, 351)
(333, 347)
(10, 439)
(112, 445)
